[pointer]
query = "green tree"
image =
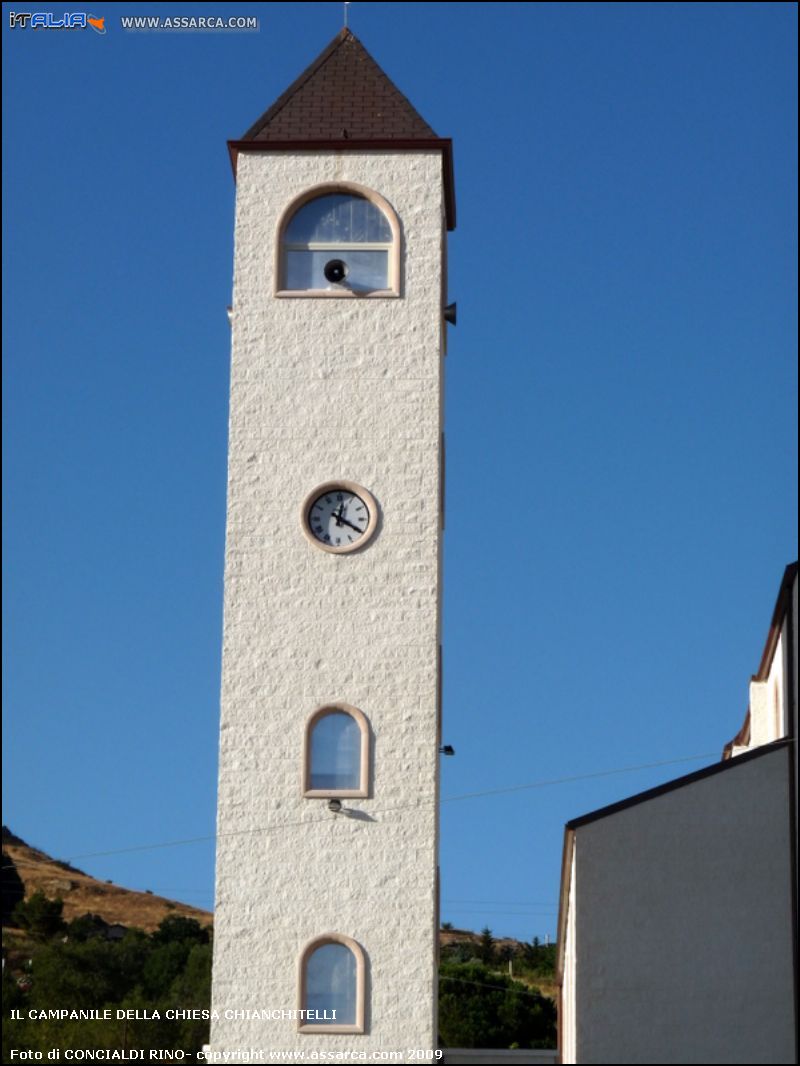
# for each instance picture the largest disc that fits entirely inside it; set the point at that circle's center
(12, 994)
(86, 974)
(460, 951)
(192, 989)
(481, 1009)
(486, 946)
(164, 964)
(86, 927)
(192, 986)
(42, 917)
(176, 929)
(505, 953)
(172, 968)
(540, 959)
(13, 889)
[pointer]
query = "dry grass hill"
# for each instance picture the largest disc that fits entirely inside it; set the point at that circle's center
(27, 870)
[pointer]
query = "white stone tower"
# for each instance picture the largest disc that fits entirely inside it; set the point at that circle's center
(327, 893)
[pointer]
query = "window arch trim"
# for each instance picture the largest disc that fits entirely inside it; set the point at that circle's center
(304, 1026)
(328, 189)
(361, 720)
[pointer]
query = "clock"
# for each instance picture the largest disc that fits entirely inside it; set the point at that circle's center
(339, 516)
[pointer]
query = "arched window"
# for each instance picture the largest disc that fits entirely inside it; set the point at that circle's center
(339, 241)
(332, 986)
(336, 757)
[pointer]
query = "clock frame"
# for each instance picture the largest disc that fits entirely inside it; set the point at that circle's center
(329, 488)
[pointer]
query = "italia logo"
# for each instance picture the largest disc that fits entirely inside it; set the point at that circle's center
(47, 20)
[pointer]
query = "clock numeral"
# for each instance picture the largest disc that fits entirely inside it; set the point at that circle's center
(338, 518)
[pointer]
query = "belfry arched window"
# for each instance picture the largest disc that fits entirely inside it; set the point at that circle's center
(332, 986)
(339, 240)
(336, 756)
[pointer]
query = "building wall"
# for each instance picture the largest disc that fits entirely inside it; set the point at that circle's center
(324, 389)
(769, 699)
(683, 916)
(772, 708)
(792, 660)
(566, 1003)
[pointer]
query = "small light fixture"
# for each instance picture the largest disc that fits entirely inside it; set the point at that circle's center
(334, 806)
(447, 749)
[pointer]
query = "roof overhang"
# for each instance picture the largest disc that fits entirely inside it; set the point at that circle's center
(723, 767)
(782, 607)
(563, 901)
(780, 613)
(435, 144)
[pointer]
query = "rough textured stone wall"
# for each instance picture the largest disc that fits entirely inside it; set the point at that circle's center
(324, 389)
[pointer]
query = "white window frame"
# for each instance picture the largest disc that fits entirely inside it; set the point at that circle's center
(362, 791)
(304, 1026)
(392, 248)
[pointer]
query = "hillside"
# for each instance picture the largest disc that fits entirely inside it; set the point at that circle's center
(533, 966)
(466, 936)
(27, 870)
(496, 991)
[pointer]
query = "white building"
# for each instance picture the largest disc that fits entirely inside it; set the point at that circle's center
(677, 926)
(326, 892)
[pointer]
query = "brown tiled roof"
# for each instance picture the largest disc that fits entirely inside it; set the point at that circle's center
(345, 95)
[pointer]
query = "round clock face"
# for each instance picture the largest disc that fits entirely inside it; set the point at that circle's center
(339, 516)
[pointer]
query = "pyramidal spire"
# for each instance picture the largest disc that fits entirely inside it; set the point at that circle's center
(342, 95)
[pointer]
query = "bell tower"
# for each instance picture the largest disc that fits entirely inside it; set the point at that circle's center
(327, 890)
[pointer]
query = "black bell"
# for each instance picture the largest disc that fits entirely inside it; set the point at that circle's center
(335, 270)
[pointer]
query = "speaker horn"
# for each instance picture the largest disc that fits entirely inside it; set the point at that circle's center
(335, 270)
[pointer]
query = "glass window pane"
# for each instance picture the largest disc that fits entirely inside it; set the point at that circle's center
(366, 271)
(338, 217)
(336, 752)
(331, 984)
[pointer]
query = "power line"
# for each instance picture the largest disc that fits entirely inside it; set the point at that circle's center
(577, 777)
(497, 988)
(504, 902)
(482, 910)
(281, 826)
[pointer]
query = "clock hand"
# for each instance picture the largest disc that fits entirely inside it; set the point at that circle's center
(338, 516)
(356, 528)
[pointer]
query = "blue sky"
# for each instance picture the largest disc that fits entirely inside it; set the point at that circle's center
(621, 385)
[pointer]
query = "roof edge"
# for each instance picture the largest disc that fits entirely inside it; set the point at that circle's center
(779, 613)
(678, 782)
(277, 105)
(344, 36)
(563, 904)
(441, 144)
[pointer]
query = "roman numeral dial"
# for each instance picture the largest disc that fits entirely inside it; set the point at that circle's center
(339, 516)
